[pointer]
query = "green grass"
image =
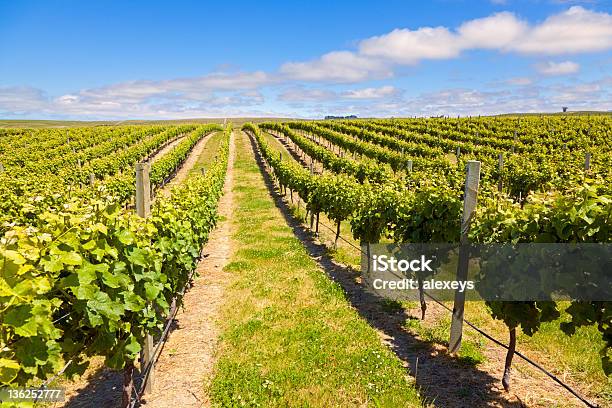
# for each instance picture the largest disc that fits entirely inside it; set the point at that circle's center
(471, 352)
(208, 153)
(289, 337)
(576, 356)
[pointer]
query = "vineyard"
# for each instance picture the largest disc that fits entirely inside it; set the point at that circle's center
(98, 254)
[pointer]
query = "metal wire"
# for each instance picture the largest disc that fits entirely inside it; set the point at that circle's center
(521, 355)
(161, 342)
(483, 333)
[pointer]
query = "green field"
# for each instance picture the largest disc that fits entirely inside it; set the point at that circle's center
(88, 273)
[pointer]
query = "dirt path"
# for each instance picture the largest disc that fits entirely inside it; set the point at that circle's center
(187, 165)
(167, 148)
(187, 358)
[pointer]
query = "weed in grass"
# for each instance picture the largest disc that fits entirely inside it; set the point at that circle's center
(391, 306)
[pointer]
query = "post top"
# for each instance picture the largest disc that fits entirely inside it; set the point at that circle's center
(143, 165)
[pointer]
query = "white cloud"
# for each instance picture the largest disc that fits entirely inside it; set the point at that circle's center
(406, 46)
(576, 94)
(594, 95)
(15, 99)
(497, 31)
(382, 101)
(557, 68)
(176, 98)
(301, 94)
(183, 88)
(371, 93)
(464, 101)
(337, 66)
(576, 30)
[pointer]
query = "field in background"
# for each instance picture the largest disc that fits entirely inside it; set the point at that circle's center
(17, 123)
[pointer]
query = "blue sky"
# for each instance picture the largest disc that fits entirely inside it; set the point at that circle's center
(181, 59)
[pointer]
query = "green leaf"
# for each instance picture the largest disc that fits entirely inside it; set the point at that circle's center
(152, 289)
(115, 280)
(89, 245)
(101, 228)
(137, 256)
(19, 318)
(71, 258)
(101, 303)
(85, 292)
(87, 273)
(132, 301)
(8, 370)
(133, 347)
(52, 265)
(125, 236)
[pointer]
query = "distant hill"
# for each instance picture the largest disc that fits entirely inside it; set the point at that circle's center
(569, 113)
(21, 123)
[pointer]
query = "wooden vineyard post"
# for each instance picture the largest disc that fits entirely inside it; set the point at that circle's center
(92, 179)
(587, 161)
(143, 189)
(409, 165)
(143, 209)
(1, 168)
(470, 198)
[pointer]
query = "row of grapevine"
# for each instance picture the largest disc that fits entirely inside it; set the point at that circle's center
(95, 279)
(519, 174)
(398, 160)
(543, 163)
(432, 214)
(21, 198)
(361, 169)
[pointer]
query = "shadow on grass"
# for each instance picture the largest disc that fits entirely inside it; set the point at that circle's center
(443, 380)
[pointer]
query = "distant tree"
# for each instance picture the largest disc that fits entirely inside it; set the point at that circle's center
(341, 117)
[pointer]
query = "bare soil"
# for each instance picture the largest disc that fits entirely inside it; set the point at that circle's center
(187, 358)
(166, 148)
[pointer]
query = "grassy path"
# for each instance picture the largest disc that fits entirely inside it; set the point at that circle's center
(575, 359)
(194, 157)
(289, 336)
